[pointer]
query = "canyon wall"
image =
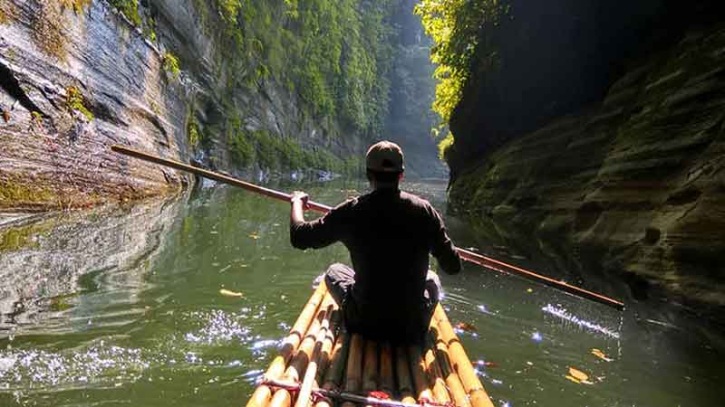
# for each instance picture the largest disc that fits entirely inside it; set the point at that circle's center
(269, 90)
(632, 186)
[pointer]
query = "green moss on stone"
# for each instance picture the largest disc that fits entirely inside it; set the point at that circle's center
(129, 8)
(240, 147)
(61, 302)
(74, 101)
(171, 65)
(76, 5)
(12, 192)
(24, 237)
(194, 133)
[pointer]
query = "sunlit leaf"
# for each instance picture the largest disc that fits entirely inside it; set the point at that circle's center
(601, 355)
(578, 374)
(573, 379)
(229, 293)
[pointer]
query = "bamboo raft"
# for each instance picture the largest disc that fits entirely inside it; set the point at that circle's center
(319, 355)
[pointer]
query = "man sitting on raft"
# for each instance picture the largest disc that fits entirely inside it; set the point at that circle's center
(389, 294)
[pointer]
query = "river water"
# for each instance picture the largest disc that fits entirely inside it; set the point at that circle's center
(122, 306)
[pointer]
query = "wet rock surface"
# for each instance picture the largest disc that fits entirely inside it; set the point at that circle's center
(633, 187)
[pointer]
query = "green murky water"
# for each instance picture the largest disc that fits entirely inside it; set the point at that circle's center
(123, 307)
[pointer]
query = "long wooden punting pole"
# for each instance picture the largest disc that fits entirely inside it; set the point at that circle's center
(467, 255)
(263, 394)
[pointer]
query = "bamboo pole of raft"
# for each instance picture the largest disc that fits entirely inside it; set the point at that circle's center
(460, 362)
(296, 368)
(402, 371)
(328, 346)
(440, 392)
(420, 379)
(370, 370)
(323, 344)
(333, 375)
(452, 380)
(353, 379)
(370, 367)
(262, 394)
(387, 370)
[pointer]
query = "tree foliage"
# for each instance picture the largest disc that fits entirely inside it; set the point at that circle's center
(460, 30)
(334, 55)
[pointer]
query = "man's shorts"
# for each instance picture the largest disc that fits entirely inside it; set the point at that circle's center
(340, 278)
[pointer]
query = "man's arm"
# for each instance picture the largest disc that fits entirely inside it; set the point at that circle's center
(442, 247)
(318, 233)
(299, 205)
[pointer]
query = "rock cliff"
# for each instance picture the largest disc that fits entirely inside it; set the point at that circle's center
(633, 185)
(74, 83)
(190, 80)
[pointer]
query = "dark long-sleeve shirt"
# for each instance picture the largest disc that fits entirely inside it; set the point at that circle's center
(390, 235)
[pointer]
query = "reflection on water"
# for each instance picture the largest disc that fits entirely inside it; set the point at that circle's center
(101, 254)
(125, 306)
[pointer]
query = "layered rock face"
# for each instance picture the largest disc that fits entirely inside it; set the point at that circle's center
(635, 185)
(74, 83)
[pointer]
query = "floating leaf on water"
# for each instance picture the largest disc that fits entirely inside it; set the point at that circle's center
(601, 355)
(573, 379)
(463, 326)
(578, 374)
(230, 293)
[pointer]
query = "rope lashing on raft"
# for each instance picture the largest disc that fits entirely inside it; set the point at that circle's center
(373, 398)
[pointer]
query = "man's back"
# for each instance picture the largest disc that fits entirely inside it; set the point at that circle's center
(389, 234)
